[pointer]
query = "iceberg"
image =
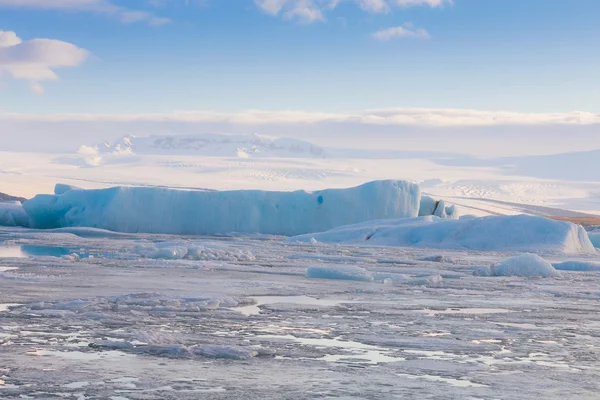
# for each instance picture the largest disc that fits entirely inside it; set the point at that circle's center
(522, 233)
(61, 188)
(13, 214)
(184, 212)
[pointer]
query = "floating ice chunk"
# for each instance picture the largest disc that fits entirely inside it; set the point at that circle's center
(525, 265)
(183, 250)
(430, 206)
(427, 206)
(347, 273)
(498, 233)
(71, 257)
(437, 258)
(440, 210)
(160, 210)
(402, 279)
(12, 213)
(581, 266)
(226, 352)
(484, 270)
(431, 280)
(169, 253)
(209, 253)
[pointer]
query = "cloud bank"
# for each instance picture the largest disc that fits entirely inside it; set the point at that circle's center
(423, 117)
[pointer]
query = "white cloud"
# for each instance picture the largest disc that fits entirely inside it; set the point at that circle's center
(36, 87)
(98, 6)
(427, 117)
(305, 11)
(314, 10)
(374, 6)
(36, 59)
(430, 3)
(399, 32)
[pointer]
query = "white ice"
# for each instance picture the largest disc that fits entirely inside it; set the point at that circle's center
(499, 233)
(524, 265)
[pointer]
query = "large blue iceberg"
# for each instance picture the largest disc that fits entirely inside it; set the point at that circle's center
(183, 212)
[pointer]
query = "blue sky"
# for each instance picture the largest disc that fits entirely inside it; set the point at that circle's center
(144, 56)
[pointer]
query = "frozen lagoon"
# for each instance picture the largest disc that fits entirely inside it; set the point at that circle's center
(106, 316)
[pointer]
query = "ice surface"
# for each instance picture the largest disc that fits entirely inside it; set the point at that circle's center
(13, 214)
(499, 233)
(158, 210)
(347, 273)
(136, 327)
(524, 265)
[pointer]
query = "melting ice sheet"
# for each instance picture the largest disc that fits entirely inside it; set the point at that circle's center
(241, 319)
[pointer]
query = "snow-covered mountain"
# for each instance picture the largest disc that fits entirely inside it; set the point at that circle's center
(214, 145)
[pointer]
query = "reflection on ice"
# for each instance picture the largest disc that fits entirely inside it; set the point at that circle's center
(357, 352)
(467, 311)
(254, 309)
(6, 306)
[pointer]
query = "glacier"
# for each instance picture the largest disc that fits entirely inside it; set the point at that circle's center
(187, 212)
(522, 233)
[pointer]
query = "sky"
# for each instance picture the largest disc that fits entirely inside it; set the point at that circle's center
(116, 57)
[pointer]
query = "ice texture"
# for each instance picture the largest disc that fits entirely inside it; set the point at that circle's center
(342, 272)
(170, 211)
(13, 214)
(521, 233)
(594, 238)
